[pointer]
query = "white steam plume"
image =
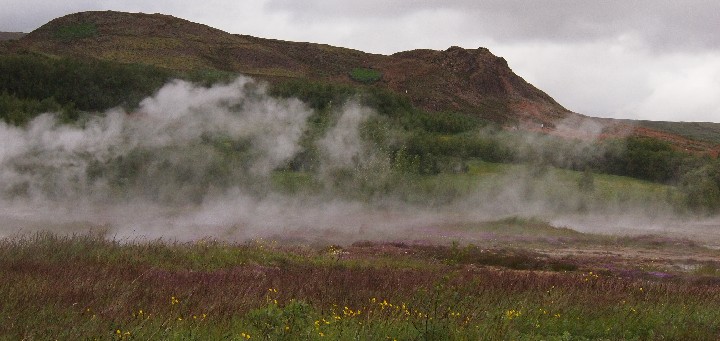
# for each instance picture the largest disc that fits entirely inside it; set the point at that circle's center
(194, 162)
(342, 145)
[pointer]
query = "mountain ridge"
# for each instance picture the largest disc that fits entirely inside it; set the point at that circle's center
(470, 81)
(11, 35)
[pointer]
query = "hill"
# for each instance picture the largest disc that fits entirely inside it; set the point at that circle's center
(469, 81)
(700, 131)
(11, 35)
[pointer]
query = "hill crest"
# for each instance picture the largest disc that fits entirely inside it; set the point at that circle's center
(11, 35)
(470, 81)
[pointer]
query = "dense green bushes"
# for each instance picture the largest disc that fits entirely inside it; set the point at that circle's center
(18, 111)
(324, 96)
(88, 85)
(701, 187)
(643, 158)
(415, 140)
(430, 143)
(637, 157)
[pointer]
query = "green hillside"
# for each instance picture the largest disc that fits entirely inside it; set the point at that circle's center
(471, 82)
(701, 131)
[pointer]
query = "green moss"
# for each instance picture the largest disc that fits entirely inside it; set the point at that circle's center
(76, 31)
(365, 75)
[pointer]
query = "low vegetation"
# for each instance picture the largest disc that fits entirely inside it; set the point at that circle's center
(365, 75)
(86, 85)
(76, 31)
(86, 287)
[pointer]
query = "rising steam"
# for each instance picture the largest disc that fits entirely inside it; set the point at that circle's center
(193, 162)
(190, 162)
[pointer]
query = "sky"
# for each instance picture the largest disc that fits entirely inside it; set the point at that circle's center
(643, 59)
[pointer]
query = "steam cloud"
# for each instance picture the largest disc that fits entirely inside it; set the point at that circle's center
(343, 145)
(171, 130)
(190, 162)
(194, 162)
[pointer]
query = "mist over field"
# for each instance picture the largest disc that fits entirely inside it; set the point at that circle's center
(164, 179)
(197, 162)
(190, 162)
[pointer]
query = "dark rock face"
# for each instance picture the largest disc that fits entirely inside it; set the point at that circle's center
(473, 81)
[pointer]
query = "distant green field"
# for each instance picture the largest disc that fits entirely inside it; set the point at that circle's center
(485, 179)
(703, 131)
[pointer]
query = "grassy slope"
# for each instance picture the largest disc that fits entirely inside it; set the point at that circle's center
(701, 131)
(11, 35)
(474, 82)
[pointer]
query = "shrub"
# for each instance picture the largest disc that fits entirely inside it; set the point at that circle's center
(18, 111)
(290, 322)
(642, 158)
(89, 85)
(702, 189)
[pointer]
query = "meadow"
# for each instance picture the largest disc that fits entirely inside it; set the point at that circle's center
(513, 278)
(91, 287)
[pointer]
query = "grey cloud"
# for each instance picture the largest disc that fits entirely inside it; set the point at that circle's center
(25, 16)
(661, 24)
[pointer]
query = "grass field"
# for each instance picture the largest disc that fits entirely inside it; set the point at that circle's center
(556, 188)
(512, 278)
(88, 287)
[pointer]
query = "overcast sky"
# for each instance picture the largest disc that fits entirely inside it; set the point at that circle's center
(646, 59)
